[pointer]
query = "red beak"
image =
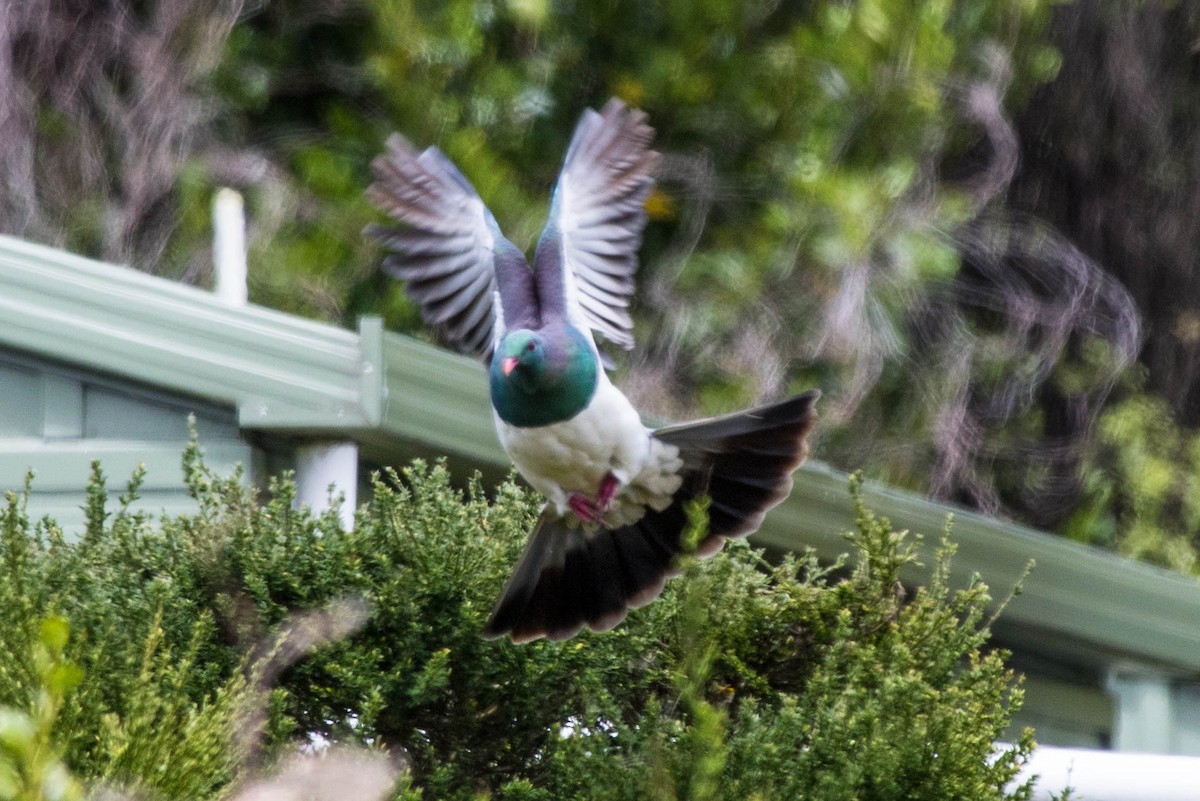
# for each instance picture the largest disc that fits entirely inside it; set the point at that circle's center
(508, 364)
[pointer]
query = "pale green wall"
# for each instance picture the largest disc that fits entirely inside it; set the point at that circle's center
(56, 420)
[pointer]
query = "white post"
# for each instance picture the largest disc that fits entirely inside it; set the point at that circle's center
(1144, 719)
(320, 465)
(229, 247)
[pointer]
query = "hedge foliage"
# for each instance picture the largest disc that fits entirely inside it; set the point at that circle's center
(194, 657)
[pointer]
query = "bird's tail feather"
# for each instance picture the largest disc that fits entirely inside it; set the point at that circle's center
(745, 461)
(568, 577)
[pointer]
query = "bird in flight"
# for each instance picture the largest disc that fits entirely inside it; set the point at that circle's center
(617, 492)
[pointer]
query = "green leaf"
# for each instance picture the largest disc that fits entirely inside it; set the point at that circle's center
(17, 732)
(55, 631)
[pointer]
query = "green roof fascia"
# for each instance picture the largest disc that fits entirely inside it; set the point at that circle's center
(1077, 599)
(282, 373)
(436, 400)
(277, 369)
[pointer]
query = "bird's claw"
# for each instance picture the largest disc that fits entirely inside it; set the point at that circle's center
(608, 490)
(587, 510)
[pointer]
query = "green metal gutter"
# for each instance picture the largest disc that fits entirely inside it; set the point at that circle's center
(281, 373)
(1077, 599)
(279, 370)
(436, 400)
(398, 397)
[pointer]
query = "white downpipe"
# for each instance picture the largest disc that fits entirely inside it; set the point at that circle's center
(320, 465)
(229, 247)
(1095, 775)
(1144, 711)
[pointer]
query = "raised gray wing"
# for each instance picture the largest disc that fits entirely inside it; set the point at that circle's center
(596, 221)
(464, 275)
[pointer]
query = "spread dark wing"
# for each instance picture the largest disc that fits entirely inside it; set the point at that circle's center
(464, 275)
(588, 254)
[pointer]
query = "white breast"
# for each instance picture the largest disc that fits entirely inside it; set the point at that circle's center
(575, 455)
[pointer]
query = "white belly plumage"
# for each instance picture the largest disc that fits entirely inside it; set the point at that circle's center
(607, 437)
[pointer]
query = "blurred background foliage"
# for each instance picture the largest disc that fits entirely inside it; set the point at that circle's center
(971, 223)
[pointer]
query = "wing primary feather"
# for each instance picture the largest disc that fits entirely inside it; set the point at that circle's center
(596, 222)
(448, 249)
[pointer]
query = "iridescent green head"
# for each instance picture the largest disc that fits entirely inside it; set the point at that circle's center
(542, 377)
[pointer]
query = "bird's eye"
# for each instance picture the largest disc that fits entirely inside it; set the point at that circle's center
(531, 345)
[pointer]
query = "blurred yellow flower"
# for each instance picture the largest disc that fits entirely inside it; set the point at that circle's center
(660, 205)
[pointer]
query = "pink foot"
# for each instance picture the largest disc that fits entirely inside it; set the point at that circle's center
(585, 509)
(608, 490)
(590, 511)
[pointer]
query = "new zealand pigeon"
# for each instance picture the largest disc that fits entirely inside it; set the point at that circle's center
(616, 491)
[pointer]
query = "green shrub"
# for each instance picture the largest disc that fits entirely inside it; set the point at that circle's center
(157, 696)
(747, 679)
(1140, 485)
